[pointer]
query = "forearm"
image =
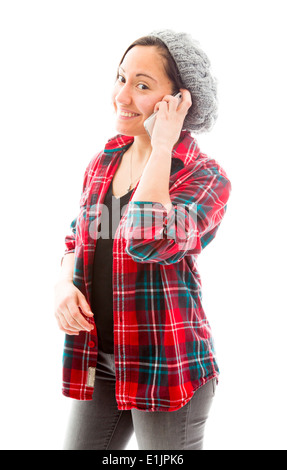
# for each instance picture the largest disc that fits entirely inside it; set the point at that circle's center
(154, 183)
(67, 268)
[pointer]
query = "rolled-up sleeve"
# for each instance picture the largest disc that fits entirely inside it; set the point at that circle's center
(70, 240)
(71, 237)
(198, 206)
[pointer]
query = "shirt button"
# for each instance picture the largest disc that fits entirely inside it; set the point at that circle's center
(91, 344)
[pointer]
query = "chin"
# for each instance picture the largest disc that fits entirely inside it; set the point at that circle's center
(129, 131)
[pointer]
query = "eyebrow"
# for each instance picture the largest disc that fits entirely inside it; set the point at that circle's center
(140, 74)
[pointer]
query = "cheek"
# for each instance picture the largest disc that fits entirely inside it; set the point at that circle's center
(146, 106)
(113, 99)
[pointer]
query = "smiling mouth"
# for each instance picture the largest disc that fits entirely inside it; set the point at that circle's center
(125, 114)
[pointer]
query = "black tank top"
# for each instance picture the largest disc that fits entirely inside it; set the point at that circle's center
(102, 283)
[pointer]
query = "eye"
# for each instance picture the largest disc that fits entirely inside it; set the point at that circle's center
(145, 87)
(120, 78)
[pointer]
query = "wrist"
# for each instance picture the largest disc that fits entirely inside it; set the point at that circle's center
(162, 148)
(64, 279)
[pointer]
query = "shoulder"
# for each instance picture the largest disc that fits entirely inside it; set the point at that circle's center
(189, 158)
(93, 165)
(114, 144)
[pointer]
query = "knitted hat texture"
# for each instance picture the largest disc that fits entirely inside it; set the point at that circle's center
(194, 69)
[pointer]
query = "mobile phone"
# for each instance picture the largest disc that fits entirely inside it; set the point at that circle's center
(149, 122)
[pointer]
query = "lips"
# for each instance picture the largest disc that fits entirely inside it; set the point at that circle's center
(125, 113)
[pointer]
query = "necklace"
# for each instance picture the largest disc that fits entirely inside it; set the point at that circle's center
(131, 179)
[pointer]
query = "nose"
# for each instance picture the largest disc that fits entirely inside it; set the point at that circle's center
(124, 96)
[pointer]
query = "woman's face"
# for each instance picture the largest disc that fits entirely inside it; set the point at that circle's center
(142, 82)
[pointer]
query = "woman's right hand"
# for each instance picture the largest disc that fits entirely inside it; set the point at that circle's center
(71, 307)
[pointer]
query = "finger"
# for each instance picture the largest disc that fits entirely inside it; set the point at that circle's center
(66, 314)
(85, 306)
(68, 331)
(63, 325)
(173, 102)
(186, 99)
(169, 102)
(76, 319)
(67, 321)
(161, 105)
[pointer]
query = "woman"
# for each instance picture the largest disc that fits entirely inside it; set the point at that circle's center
(139, 353)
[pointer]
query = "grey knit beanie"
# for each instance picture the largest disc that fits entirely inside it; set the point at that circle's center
(194, 69)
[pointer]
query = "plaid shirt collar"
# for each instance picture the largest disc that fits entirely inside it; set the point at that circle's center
(186, 149)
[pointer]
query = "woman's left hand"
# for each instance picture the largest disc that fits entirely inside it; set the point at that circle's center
(169, 119)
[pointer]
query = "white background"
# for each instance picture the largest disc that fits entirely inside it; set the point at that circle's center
(58, 65)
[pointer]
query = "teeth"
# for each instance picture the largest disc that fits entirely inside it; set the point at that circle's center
(122, 113)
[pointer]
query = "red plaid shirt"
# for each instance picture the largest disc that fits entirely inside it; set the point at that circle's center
(163, 345)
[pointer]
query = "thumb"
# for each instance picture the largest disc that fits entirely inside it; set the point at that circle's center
(85, 306)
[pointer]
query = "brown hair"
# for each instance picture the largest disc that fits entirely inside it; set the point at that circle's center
(170, 66)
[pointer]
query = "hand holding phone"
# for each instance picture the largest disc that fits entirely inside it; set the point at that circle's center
(150, 122)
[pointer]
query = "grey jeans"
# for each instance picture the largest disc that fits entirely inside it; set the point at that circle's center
(99, 425)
